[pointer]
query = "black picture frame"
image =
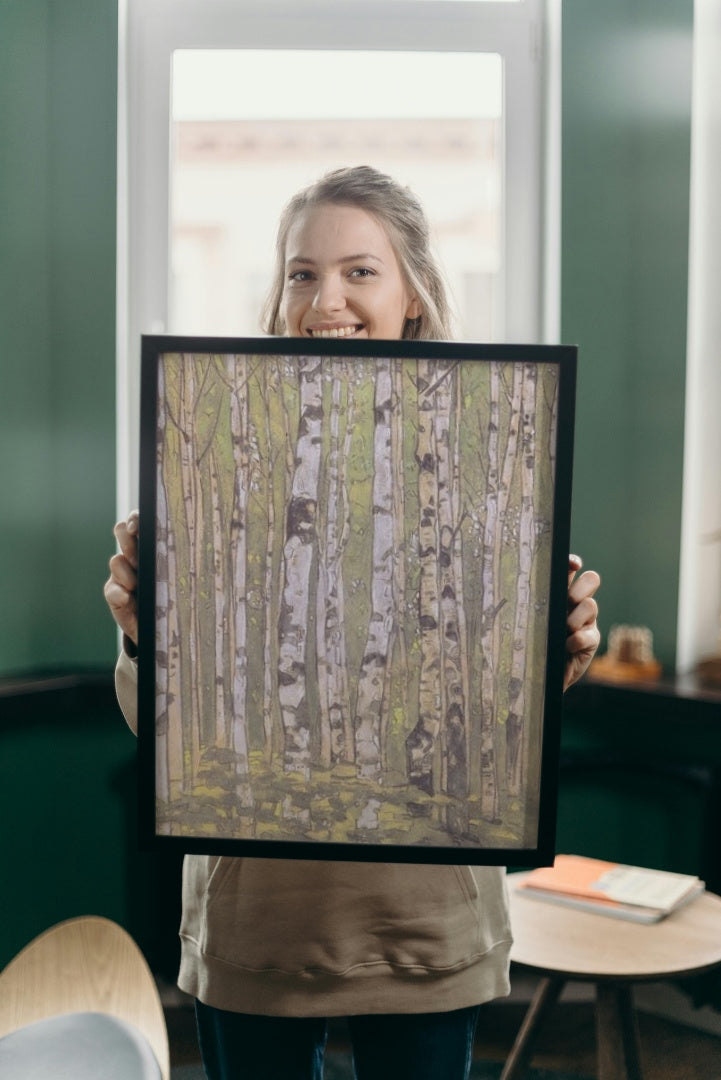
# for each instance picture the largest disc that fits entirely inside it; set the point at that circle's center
(353, 573)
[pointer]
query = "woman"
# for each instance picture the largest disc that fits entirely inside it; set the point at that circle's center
(271, 948)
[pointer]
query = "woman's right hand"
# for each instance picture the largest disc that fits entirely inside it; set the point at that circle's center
(121, 587)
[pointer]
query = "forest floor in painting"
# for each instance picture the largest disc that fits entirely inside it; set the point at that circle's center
(337, 807)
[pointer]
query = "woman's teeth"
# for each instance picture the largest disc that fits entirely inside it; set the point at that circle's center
(337, 331)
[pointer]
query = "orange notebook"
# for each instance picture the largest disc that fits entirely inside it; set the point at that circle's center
(631, 892)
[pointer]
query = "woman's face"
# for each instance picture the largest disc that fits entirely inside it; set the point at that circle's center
(342, 277)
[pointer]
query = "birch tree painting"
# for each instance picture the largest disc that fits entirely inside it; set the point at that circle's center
(351, 582)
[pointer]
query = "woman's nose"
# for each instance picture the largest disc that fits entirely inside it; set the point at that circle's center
(329, 296)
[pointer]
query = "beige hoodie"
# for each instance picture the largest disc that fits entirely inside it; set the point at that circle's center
(284, 937)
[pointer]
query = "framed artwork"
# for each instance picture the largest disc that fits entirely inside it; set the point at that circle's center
(353, 571)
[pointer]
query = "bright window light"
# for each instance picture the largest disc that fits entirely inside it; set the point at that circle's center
(239, 152)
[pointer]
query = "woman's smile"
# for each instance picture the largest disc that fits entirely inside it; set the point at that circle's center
(335, 331)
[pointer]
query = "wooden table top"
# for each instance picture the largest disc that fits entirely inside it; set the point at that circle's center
(560, 940)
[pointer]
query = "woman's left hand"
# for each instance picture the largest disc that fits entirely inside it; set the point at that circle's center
(583, 635)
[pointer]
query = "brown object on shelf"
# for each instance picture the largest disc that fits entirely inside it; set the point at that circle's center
(605, 667)
(629, 658)
(709, 671)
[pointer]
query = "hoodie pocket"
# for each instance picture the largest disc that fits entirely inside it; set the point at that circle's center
(294, 916)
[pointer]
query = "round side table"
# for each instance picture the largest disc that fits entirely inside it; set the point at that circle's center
(563, 944)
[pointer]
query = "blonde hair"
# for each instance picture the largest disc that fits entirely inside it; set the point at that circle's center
(403, 217)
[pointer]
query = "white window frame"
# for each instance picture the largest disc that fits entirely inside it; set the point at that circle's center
(526, 34)
(699, 597)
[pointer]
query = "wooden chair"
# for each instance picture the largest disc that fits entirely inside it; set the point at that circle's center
(77, 976)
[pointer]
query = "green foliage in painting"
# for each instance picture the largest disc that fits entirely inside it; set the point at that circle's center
(353, 565)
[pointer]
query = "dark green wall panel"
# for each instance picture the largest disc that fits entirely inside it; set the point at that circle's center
(58, 77)
(626, 145)
(68, 799)
(25, 388)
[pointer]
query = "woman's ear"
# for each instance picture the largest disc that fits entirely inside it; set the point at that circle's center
(415, 309)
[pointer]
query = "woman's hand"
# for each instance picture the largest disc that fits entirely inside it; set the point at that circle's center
(121, 587)
(583, 635)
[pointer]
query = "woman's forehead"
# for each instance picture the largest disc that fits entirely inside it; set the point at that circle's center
(327, 229)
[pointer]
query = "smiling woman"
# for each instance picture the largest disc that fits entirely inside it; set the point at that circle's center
(353, 258)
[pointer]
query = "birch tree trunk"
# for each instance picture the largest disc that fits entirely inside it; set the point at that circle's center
(397, 639)
(298, 552)
(399, 516)
(175, 728)
(270, 390)
(343, 679)
(236, 367)
(454, 779)
(420, 743)
(192, 505)
(553, 425)
(332, 664)
(280, 486)
(510, 458)
(516, 703)
(162, 610)
(321, 648)
(219, 602)
(489, 775)
(457, 558)
(170, 758)
(371, 682)
(206, 463)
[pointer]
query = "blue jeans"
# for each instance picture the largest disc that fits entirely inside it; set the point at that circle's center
(416, 1046)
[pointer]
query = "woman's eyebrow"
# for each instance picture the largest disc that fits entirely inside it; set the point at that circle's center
(361, 257)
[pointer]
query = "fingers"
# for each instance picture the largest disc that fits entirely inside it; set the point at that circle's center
(123, 572)
(575, 562)
(583, 587)
(583, 613)
(584, 641)
(123, 607)
(121, 587)
(582, 607)
(126, 533)
(582, 634)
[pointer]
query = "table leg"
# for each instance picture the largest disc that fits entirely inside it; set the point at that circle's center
(617, 1033)
(545, 997)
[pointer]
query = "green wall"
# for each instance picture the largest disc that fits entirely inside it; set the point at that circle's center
(58, 72)
(625, 200)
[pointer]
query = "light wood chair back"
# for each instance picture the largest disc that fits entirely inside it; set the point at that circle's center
(87, 964)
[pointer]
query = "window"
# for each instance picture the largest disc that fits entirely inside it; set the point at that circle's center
(227, 107)
(237, 156)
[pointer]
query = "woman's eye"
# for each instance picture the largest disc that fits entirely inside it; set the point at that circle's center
(300, 276)
(362, 272)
